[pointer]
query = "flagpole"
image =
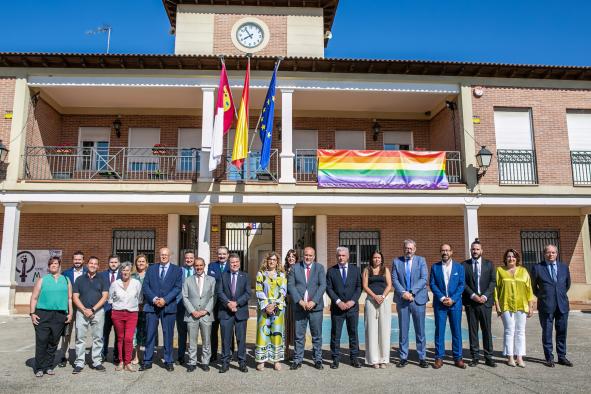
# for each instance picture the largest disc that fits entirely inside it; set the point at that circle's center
(230, 92)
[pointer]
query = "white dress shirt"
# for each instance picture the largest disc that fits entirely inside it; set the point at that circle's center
(124, 299)
(446, 275)
(77, 273)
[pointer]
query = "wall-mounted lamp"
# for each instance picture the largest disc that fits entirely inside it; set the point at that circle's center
(483, 159)
(117, 126)
(376, 129)
(3, 152)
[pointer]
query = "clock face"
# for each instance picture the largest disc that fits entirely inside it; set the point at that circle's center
(250, 35)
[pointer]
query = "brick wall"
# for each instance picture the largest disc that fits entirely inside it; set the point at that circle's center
(441, 131)
(6, 103)
(548, 108)
(222, 34)
(44, 125)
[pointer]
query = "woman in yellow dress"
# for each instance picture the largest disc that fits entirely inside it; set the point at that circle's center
(514, 299)
(271, 290)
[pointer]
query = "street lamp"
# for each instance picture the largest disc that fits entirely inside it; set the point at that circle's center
(3, 152)
(483, 159)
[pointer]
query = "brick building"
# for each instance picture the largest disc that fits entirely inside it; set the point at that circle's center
(82, 172)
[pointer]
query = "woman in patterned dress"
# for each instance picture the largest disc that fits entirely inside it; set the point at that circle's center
(271, 290)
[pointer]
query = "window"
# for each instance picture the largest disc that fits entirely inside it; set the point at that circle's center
(305, 144)
(353, 140)
(361, 245)
(93, 144)
(579, 130)
(189, 141)
(140, 156)
(398, 140)
(127, 244)
(533, 242)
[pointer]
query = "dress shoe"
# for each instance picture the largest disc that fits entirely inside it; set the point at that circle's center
(335, 364)
(355, 363)
(63, 362)
(169, 367)
(423, 364)
(295, 365)
(550, 363)
(180, 362)
(402, 363)
(100, 368)
(491, 363)
(145, 367)
(243, 368)
(460, 364)
(474, 362)
(564, 361)
(224, 369)
(205, 368)
(191, 368)
(438, 363)
(75, 371)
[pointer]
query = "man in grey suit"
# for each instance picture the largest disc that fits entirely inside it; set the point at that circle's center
(409, 277)
(306, 285)
(199, 300)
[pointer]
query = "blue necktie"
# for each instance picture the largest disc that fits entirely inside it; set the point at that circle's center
(344, 274)
(161, 272)
(407, 271)
(554, 276)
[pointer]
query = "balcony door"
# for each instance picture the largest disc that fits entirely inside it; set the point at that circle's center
(350, 140)
(398, 140)
(140, 156)
(189, 141)
(93, 148)
(305, 144)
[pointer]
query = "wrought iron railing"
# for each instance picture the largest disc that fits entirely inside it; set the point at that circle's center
(306, 166)
(250, 170)
(517, 167)
(581, 166)
(110, 163)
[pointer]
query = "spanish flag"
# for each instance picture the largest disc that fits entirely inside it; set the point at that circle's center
(240, 151)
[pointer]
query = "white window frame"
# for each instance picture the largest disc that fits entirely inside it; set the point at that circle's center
(143, 157)
(399, 133)
(96, 134)
(341, 132)
(181, 147)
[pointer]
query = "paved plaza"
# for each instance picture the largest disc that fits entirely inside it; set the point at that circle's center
(17, 350)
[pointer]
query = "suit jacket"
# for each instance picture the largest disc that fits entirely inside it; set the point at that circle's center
(455, 286)
(316, 285)
(107, 276)
(488, 282)
(179, 299)
(224, 295)
(551, 295)
(195, 302)
(168, 288)
(418, 279)
(215, 269)
(350, 291)
(69, 273)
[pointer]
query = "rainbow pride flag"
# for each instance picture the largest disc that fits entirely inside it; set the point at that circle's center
(376, 169)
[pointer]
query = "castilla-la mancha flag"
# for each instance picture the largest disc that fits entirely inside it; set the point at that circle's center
(240, 151)
(224, 115)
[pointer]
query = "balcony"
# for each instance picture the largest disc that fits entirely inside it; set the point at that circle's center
(74, 163)
(517, 167)
(251, 170)
(306, 166)
(581, 166)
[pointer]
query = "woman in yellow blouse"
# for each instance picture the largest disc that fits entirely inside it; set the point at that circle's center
(514, 304)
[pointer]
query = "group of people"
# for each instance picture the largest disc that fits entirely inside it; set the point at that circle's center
(136, 299)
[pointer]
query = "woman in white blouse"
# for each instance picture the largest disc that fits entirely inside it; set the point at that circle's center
(125, 296)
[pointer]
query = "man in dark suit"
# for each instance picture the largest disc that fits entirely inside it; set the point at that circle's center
(343, 285)
(550, 282)
(216, 269)
(447, 284)
(306, 285)
(409, 278)
(233, 292)
(110, 276)
(161, 288)
(478, 300)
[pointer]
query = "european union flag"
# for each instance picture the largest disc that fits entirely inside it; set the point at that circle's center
(265, 123)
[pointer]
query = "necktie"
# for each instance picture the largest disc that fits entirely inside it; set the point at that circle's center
(554, 276)
(407, 271)
(344, 274)
(112, 277)
(188, 272)
(161, 272)
(476, 276)
(233, 284)
(307, 273)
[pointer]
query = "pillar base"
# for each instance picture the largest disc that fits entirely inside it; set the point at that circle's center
(7, 295)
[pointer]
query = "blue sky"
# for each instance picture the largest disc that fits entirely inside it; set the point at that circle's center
(507, 31)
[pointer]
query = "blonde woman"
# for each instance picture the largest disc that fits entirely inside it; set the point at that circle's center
(271, 290)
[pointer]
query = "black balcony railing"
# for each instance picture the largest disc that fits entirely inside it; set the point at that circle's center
(581, 165)
(306, 166)
(517, 167)
(65, 163)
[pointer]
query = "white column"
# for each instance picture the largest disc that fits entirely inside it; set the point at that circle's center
(206, 133)
(322, 240)
(172, 237)
(18, 129)
(468, 146)
(286, 228)
(10, 231)
(204, 236)
(286, 137)
(585, 238)
(470, 226)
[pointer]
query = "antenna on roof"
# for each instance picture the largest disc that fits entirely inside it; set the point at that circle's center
(102, 29)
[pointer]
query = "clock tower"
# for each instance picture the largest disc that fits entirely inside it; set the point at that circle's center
(285, 28)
